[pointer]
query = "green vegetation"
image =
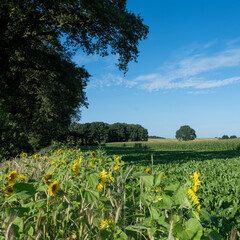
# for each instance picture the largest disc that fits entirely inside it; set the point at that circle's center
(145, 193)
(96, 133)
(185, 133)
(42, 89)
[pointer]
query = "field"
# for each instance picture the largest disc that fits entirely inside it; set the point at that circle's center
(148, 190)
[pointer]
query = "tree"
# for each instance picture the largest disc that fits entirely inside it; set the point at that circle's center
(233, 136)
(185, 133)
(225, 137)
(42, 90)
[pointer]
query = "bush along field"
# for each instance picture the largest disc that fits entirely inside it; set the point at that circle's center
(70, 194)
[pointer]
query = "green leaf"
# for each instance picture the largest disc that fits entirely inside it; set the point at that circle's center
(180, 195)
(93, 180)
(154, 213)
(136, 216)
(177, 229)
(23, 190)
(136, 228)
(195, 214)
(31, 231)
(91, 195)
(24, 187)
(19, 222)
(215, 235)
(148, 181)
(166, 202)
(193, 230)
(152, 231)
(145, 198)
(157, 180)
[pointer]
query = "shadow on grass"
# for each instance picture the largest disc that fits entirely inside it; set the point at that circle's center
(142, 156)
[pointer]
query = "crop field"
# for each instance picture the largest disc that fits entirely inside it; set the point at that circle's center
(160, 190)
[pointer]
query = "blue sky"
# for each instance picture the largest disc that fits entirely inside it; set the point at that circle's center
(188, 71)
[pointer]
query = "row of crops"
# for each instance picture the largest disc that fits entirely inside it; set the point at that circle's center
(136, 193)
(189, 145)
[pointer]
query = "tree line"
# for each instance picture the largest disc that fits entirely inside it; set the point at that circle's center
(99, 132)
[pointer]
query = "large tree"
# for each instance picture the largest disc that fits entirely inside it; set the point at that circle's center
(185, 133)
(41, 88)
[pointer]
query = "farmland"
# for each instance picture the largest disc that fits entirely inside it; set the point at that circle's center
(124, 191)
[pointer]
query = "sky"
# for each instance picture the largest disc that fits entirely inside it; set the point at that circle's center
(188, 71)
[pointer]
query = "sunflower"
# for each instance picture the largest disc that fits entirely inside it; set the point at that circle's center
(75, 169)
(194, 199)
(116, 167)
(148, 171)
(196, 181)
(36, 156)
(47, 177)
(110, 176)
(24, 154)
(8, 191)
(158, 189)
(22, 177)
(107, 223)
(54, 188)
(103, 174)
(99, 187)
(11, 177)
(93, 154)
(117, 160)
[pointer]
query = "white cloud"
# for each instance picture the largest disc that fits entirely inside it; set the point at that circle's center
(106, 80)
(190, 71)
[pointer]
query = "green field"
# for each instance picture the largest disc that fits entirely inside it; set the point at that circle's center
(127, 203)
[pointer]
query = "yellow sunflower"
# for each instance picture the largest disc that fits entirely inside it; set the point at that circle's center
(8, 191)
(103, 174)
(75, 169)
(93, 154)
(47, 177)
(11, 177)
(107, 223)
(36, 156)
(54, 188)
(22, 177)
(110, 176)
(148, 171)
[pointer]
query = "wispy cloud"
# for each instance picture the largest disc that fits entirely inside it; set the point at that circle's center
(107, 80)
(197, 70)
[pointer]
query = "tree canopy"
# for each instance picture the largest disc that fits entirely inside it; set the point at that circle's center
(100, 132)
(42, 89)
(185, 133)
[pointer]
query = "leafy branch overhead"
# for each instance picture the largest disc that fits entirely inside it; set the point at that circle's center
(42, 90)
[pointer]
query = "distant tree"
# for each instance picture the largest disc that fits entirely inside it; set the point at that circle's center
(156, 137)
(225, 137)
(185, 133)
(99, 132)
(233, 136)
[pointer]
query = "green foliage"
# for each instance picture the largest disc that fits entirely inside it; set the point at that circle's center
(225, 137)
(185, 133)
(96, 133)
(42, 90)
(130, 203)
